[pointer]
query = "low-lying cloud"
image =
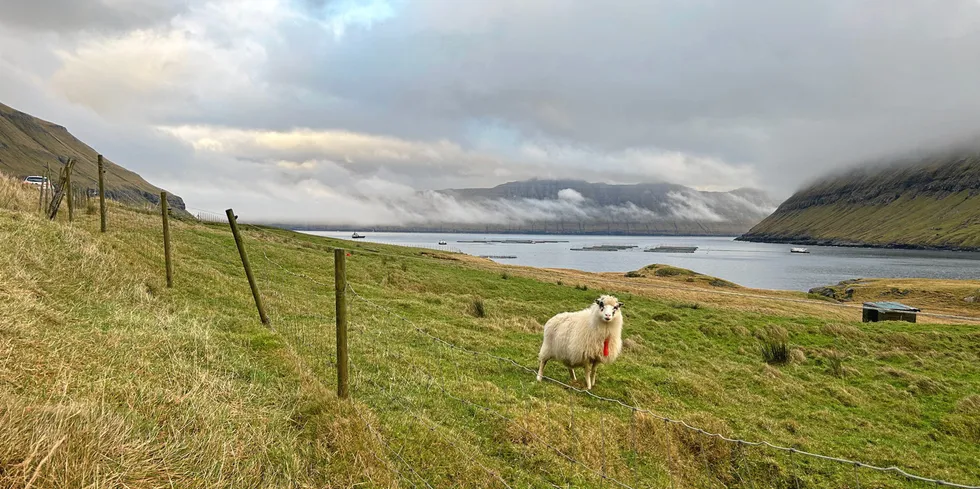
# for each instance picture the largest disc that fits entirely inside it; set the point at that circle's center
(264, 95)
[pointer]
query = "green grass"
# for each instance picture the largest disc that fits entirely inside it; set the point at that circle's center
(112, 379)
(928, 201)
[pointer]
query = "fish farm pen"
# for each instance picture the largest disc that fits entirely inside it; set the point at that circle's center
(606, 248)
(672, 249)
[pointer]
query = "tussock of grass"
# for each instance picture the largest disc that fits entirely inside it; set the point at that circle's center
(477, 308)
(665, 317)
(775, 352)
(835, 363)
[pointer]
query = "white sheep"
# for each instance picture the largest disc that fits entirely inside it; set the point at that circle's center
(584, 338)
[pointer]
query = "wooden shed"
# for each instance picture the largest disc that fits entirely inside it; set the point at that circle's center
(888, 311)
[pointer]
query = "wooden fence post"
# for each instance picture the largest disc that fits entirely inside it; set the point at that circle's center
(165, 211)
(70, 196)
(340, 284)
(102, 195)
(232, 221)
(47, 188)
(40, 197)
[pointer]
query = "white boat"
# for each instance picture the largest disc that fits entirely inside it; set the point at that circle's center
(799, 250)
(357, 236)
(442, 243)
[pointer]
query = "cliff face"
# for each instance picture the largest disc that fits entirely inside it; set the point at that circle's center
(930, 203)
(32, 146)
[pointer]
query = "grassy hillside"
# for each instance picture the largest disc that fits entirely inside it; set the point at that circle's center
(108, 378)
(31, 146)
(932, 204)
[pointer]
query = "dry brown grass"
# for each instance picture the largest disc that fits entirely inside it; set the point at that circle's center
(18, 196)
(947, 298)
(109, 380)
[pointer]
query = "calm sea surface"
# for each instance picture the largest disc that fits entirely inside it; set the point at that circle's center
(758, 265)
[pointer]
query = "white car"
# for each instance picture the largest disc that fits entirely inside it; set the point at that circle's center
(36, 181)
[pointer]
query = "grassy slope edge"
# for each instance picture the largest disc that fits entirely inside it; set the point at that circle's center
(950, 222)
(929, 202)
(107, 378)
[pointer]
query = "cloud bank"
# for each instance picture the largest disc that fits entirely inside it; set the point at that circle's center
(295, 102)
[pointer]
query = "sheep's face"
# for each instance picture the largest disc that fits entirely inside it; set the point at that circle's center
(608, 307)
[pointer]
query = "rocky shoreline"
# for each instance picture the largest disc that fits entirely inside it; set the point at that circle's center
(807, 241)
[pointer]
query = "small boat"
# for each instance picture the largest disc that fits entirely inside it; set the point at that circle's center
(358, 236)
(799, 250)
(442, 243)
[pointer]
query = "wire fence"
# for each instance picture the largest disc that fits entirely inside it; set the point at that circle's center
(408, 374)
(208, 216)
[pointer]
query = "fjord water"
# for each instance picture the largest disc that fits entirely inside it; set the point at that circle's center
(757, 265)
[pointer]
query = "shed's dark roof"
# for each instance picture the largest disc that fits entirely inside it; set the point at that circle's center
(890, 306)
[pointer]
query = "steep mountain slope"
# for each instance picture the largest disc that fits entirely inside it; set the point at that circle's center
(578, 207)
(31, 146)
(930, 203)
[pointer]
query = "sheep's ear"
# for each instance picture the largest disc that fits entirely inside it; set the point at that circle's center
(599, 301)
(621, 304)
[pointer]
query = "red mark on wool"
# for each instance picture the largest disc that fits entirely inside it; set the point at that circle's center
(605, 348)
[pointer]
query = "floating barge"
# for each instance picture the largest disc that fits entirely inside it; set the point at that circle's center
(672, 249)
(799, 250)
(499, 257)
(606, 248)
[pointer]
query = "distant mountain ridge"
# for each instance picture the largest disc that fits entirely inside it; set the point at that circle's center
(651, 196)
(31, 146)
(930, 203)
(541, 206)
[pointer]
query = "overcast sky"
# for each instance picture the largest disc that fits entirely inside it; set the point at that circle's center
(289, 107)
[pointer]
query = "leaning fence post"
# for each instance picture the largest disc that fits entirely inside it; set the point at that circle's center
(340, 284)
(60, 192)
(248, 268)
(102, 195)
(165, 212)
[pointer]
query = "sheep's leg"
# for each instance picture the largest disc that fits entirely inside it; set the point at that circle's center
(571, 373)
(595, 371)
(588, 375)
(541, 369)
